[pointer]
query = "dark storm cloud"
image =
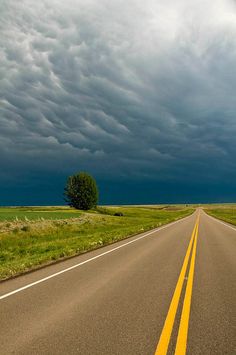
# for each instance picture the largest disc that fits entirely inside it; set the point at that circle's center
(122, 88)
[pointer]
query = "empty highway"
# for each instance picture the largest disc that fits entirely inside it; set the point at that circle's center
(167, 291)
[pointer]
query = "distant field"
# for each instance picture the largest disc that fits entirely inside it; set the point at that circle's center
(225, 212)
(29, 241)
(33, 213)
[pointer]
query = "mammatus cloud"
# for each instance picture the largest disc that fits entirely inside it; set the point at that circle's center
(132, 89)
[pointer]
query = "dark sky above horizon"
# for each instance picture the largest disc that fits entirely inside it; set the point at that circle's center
(141, 94)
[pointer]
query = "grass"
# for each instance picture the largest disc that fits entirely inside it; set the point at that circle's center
(28, 243)
(33, 213)
(226, 212)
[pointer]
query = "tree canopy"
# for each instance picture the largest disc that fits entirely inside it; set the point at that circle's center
(81, 191)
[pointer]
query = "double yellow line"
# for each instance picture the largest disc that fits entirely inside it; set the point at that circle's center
(181, 344)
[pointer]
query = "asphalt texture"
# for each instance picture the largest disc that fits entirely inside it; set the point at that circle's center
(117, 303)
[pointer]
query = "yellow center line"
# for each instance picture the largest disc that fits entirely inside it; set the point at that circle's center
(181, 344)
(164, 340)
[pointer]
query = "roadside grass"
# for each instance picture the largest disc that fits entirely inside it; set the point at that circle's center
(226, 213)
(26, 245)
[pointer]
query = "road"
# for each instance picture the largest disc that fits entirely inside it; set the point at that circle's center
(172, 291)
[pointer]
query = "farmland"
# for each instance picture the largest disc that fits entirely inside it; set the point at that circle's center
(35, 236)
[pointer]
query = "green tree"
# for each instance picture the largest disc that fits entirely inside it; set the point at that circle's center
(81, 191)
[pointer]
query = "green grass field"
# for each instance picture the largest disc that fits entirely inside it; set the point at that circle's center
(34, 213)
(225, 212)
(30, 241)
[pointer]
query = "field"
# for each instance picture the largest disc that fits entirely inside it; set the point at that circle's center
(225, 212)
(34, 213)
(33, 236)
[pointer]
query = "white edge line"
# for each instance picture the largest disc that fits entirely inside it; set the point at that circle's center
(217, 220)
(88, 260)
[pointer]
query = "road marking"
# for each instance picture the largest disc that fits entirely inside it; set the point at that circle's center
(91, 259)
(164, 340)
(181, 344)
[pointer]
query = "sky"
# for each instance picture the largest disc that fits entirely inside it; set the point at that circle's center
(140, 94)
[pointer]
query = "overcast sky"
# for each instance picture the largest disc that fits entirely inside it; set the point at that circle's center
(141, 94)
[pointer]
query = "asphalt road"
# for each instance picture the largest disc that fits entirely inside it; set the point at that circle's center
(174, 289)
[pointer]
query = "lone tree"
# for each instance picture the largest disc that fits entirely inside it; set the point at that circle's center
(81, 191)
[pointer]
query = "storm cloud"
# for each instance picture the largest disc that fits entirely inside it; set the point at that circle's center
(141, 91)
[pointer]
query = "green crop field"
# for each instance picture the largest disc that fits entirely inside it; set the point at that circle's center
(30, 237)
